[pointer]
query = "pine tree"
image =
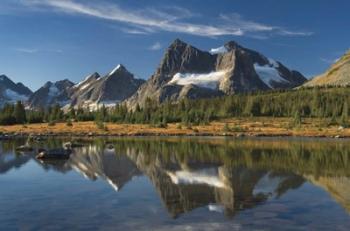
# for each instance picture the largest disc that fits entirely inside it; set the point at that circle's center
(72, 113)
(19, 113)
(297, 118)
(345, 114)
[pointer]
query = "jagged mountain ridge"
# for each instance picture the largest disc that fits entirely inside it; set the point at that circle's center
(91, 93)
(187, 72)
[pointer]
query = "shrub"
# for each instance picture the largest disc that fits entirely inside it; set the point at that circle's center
(100, 125)
(226, 128)
(51, 123)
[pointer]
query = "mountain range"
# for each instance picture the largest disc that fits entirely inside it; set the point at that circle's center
(184, 72)
(92, 92)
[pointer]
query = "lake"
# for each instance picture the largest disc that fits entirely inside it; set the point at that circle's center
(178, 184)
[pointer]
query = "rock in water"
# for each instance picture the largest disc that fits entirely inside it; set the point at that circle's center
(59, 153)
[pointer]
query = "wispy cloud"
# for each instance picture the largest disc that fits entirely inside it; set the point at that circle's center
(134, 31)
(174, 19)
(26, 50)
(156, 46)
(36, 50)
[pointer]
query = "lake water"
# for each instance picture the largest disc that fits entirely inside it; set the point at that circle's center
(178, 184)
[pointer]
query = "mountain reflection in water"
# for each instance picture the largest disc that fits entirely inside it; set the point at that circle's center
(224, 176)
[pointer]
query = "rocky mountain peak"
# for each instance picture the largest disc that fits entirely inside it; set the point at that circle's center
(119, 71)
(114, 87)
(4, 78)
(232, 45)
(188, 72)
(178, 43)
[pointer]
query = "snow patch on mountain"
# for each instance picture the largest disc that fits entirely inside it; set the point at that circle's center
(269, 73)
(14, 96)
(83, 84)
(219, 50)
(115, 69)
(204, 176)
(209, 80)
(95, 105)
(273, 62)
(53, 91)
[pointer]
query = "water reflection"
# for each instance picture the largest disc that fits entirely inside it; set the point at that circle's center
(223, 176)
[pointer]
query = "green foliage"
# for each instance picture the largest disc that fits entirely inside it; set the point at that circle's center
(51, 123)
(69, 123)
(297, 120)
(101, 126)
(344, 120)
(226, 128)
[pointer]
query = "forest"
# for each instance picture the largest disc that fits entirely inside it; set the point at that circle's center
(325, 102)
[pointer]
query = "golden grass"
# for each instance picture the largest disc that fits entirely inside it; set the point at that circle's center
(237, 126)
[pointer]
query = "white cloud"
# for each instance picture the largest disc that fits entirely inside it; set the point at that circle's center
(156, 46)
(171, 19)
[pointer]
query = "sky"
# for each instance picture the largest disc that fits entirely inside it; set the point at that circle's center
(51, 40)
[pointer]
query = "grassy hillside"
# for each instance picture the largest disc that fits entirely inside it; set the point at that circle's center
(337, 75)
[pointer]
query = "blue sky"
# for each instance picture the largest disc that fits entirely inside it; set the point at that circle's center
(42, 40)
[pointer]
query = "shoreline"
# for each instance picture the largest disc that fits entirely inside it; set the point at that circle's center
(235, 127)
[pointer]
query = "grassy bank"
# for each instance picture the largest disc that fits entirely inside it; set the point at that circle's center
(261, 126)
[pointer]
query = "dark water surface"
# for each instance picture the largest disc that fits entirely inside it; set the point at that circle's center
(178, 184)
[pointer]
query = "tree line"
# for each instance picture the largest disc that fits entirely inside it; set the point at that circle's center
(330, 103)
